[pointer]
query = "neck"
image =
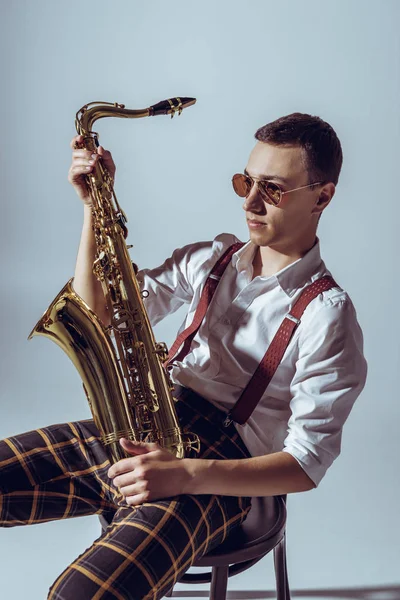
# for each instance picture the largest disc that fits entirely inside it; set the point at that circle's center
(270, 260)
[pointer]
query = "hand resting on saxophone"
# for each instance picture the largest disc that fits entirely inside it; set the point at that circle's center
(82, 163)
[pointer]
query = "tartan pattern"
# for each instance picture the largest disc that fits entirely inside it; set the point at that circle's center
(60, 472)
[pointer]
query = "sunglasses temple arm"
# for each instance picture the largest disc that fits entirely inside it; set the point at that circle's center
(302, 187)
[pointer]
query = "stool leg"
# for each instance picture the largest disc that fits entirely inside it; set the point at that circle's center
(281, 576)
(219, 582)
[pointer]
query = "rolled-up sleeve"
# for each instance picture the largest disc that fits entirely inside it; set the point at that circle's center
(166, 288)
(330, 374)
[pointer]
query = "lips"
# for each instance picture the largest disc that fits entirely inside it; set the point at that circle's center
(254, 223)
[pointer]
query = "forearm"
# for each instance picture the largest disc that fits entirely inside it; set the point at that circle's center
(268, 475)
(85, 283)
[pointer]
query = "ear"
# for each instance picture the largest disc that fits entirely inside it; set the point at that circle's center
(325, 196)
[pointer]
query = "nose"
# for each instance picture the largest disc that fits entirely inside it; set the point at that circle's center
(254, 202)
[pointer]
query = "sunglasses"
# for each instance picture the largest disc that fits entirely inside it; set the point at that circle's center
(271, 192)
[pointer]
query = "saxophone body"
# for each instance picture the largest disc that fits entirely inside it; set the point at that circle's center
(121, 366)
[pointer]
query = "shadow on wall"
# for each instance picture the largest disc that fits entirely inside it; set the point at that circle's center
(391, 592)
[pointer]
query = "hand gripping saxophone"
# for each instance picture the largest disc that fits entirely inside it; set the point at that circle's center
(121, 366)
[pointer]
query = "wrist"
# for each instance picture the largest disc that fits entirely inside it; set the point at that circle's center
(87, 211)
(87, 216)
(196, 470)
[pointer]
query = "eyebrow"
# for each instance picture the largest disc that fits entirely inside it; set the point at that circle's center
(270, 177)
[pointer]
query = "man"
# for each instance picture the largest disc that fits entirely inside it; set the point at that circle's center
(164, 511)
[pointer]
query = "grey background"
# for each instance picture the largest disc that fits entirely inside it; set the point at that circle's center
(247, 63)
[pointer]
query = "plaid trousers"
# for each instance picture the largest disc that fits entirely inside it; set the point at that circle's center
(60, 472)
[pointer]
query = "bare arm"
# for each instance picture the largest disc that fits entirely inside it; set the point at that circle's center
(268, 475)
(85, 283)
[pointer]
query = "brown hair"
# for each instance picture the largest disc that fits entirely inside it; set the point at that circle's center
(322, 148)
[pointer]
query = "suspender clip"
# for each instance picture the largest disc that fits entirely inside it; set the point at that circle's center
(292, 318)
(227, 421)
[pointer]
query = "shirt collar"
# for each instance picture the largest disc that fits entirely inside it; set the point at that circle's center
(307, 268)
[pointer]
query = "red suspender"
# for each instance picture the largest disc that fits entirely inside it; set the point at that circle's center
(273, 356)
(210, 286)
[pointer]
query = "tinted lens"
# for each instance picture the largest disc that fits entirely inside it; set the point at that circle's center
(241, 184)
(273, 191)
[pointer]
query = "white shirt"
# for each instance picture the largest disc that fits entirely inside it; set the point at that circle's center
(321, 374)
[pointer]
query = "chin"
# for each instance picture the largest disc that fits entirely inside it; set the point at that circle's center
(261, 238)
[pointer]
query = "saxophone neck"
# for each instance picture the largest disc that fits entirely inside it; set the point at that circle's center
(86, 117)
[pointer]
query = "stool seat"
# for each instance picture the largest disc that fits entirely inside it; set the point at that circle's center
(262, 531)
(263, 528)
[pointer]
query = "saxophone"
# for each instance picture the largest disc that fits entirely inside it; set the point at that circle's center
(121, 366)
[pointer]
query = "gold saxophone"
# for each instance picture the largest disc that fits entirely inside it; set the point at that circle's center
(121, 366)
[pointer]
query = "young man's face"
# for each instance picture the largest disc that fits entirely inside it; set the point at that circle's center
(287, 225)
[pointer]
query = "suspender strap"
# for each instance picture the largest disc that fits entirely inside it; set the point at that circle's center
(272, 358)
(210, 286)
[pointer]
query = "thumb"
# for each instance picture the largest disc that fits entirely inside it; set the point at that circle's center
(105, 154)
(136, 447)
(107, 160)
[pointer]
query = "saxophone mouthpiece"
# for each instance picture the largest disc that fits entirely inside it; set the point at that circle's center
(170, 106)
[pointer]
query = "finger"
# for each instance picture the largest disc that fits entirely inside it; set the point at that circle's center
(81, 153)
(138, 499)
(106, 156)
(130, 490)
(139, 447)
(125, 479)
(78, 171)
(77, 139)
(82, 162)
(101, 150)
(134, 449)
(122, 466)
